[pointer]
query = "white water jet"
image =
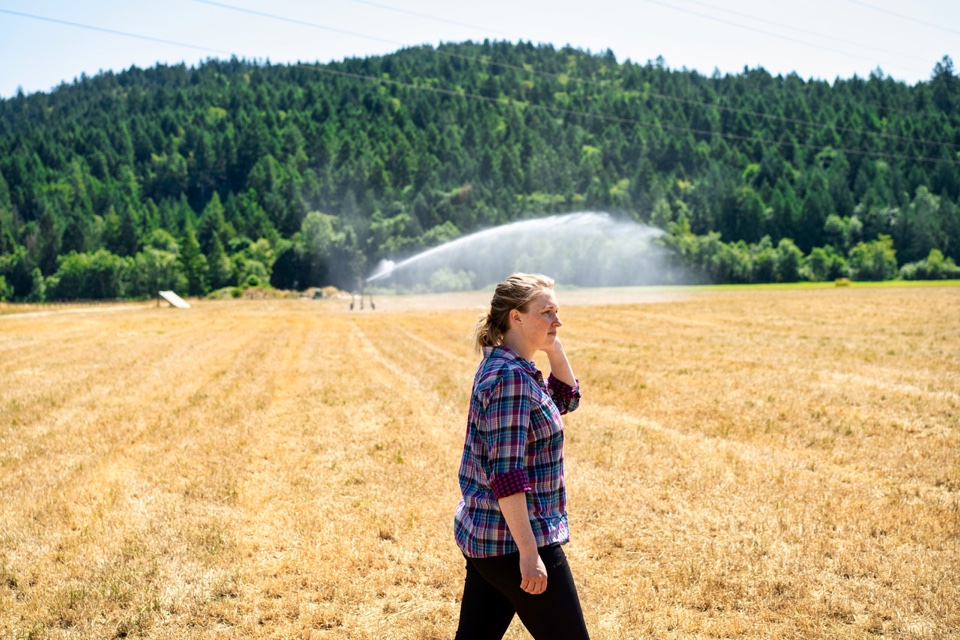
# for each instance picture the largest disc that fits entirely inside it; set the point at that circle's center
(587, 249)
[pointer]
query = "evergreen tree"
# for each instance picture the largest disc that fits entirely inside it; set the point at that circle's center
(194, 265)
(816, 207)
(945, 85)
(219, 266)
(121, 233)
(257, 147)
(212, 224)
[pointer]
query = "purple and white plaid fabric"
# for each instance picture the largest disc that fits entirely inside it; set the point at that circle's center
(514, 444)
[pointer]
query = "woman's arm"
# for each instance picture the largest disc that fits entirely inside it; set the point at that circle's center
(559, 365)
(533, 573)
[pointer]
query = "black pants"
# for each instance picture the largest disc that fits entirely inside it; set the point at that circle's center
(492, 595)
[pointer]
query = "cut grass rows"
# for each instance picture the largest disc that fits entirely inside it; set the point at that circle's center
(745, 463)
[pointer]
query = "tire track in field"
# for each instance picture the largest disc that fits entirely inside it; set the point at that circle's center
(82, 378)
(77, 391)
(443, 354)
(324, 495)
(694, 512)
(779, 367)
(883, 385)
(410, 374)
(133, 396)
(142, 490)
(55, 312)
(744, 455)
(402, 374)
(280, 455)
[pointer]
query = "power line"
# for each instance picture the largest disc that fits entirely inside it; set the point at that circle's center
(545, 74)
(932, 25)
(296, 21)
(616, 119)
(700, 103)
(807, 31)
(484, 98)
(114, 32)
(764, 32)
(430, 17)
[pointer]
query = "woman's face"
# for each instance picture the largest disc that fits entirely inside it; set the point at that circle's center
(539, 324)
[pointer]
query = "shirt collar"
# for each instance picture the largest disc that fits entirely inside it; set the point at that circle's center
(506, 353)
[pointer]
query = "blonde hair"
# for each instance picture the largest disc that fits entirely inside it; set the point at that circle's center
(515, 292)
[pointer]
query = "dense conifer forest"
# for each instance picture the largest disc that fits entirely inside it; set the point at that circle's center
(239, 173)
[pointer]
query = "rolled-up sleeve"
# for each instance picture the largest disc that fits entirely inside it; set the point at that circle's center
(504, 431)
(566, 398)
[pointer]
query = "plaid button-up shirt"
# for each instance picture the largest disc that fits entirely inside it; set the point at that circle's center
(514, 444)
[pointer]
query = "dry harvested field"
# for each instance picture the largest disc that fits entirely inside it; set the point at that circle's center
(746, 463)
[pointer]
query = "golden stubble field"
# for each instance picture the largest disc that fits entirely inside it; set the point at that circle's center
(753, 463)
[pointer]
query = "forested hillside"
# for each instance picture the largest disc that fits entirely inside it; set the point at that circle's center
(237, 172)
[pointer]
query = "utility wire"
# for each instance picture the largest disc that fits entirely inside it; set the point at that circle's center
(904, 17)
(450, 92)
(296, 21)
(764, 32)
(608, 118)
(545, 74)
(700, 103)
(430, 17)
(719, 106)
(798, 29)
(115, 32)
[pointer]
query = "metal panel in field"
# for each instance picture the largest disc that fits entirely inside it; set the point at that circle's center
(174, 300)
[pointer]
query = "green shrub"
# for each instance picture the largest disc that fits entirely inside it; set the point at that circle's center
(934, 267)
(6, 291)
(875, 260)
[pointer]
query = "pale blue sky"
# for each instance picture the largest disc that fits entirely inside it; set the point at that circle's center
(815, 38)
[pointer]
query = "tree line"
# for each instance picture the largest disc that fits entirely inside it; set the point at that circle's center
(236, 173)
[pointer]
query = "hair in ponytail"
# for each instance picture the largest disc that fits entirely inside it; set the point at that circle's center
(515, 292)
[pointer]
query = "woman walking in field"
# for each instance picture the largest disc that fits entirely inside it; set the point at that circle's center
(512, 519)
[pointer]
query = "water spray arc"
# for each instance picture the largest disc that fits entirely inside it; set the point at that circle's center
(589, 249)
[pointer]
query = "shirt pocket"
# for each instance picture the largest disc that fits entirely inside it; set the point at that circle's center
(545, 422)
